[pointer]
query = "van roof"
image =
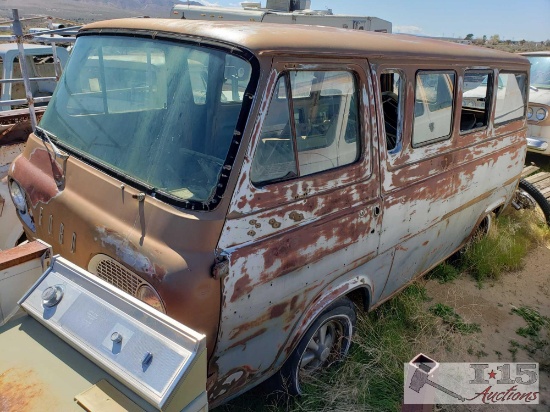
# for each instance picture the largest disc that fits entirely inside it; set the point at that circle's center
(272, 38)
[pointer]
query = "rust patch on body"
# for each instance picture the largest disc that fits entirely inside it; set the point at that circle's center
(20, 389)
(230, 382)
(287, 253)
(129, 253)
(290, 307)
(246, 339)
(243, 286)
(37, 175)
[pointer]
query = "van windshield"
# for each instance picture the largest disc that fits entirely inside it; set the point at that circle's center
(158, 112)
(540, 71)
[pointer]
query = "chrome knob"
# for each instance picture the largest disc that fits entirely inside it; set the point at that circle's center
(116, 337)
(52, 295)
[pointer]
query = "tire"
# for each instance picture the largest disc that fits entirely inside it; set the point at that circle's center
(528, 196)
(336, 324)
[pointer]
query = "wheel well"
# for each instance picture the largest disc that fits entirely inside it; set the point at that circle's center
(360, 297)
(484, 225)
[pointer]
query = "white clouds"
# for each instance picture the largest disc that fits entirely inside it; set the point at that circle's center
(408, 30)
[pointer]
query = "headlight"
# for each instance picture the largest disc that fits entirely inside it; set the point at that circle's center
(541, 114)
(18, 196)
(147, 294)
(529, 113)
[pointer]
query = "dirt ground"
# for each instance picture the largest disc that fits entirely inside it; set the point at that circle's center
(491, 308)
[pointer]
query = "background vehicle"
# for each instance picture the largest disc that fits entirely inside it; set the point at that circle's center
(15, 118)
(282, 12)
(539, 103)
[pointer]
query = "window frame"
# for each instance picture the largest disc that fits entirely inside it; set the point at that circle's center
(525, 97)
(356, 78)
(453, 108)
(489, 105)
(401, 103)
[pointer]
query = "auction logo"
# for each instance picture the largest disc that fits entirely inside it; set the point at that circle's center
(430, 382)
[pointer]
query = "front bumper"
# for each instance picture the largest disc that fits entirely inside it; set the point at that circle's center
(537, 145)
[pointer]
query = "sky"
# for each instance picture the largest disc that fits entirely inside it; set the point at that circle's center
(510, 19)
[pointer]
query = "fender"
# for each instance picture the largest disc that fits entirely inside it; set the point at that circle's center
(349, 282)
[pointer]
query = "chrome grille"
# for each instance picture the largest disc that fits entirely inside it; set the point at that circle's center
(114, 273)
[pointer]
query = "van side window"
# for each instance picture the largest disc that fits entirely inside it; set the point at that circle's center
(511, 93)
(391, 84)
(433, 112)
(476, 99)
(322, 134)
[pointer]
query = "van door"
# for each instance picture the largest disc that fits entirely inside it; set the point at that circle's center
(424, 217)
(306, 210)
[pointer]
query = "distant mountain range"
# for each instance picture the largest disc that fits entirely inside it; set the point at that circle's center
(82, 11)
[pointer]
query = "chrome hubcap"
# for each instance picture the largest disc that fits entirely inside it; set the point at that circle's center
(324, 346)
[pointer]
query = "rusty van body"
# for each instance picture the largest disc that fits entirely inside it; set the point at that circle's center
(246, 179)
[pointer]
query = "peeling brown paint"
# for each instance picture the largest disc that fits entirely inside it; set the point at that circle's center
(232, 381)
(129, 253)
(37, 174)
(243, 341)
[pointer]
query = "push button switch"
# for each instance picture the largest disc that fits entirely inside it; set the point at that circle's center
(147, 359)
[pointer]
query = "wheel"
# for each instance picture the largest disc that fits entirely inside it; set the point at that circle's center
(327, 341)
(529, 197)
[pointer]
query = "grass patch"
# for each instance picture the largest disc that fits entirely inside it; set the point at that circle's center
(535, 321)
(453, 319)
(503, 249)
(444, 273)
(537, 327)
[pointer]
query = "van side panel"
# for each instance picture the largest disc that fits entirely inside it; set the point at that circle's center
(442, 212)
(436, 195)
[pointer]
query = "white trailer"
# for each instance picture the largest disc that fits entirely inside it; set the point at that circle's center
(283, 12)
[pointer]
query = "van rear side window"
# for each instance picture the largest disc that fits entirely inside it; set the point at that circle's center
(511, 95)
(322, 134)
(476, 99)
(433, 112)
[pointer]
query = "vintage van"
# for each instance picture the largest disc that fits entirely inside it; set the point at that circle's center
(261, 183)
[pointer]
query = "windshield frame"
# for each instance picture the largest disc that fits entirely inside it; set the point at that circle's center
(248, 100)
